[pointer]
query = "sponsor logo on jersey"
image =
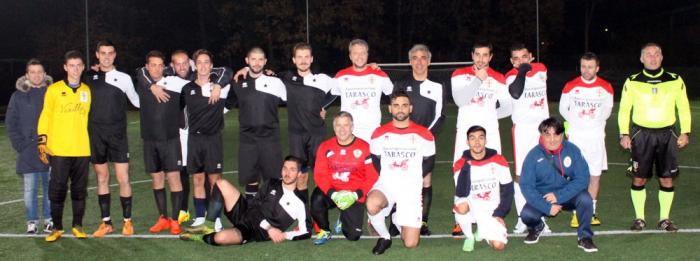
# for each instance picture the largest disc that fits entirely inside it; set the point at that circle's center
(402, 165)
(362, 102)
(537, 104)
(357, 153)
(590, 113)
(483, 195)
(343, 176)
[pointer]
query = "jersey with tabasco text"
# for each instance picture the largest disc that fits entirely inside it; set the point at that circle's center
(531, 107)
(480, 181)
(404, 154)
(360, 94)
(481, 109)
(586, 105)
(344, 167)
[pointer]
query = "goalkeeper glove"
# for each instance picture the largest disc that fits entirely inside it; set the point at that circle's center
(344, 199)
(43, 149)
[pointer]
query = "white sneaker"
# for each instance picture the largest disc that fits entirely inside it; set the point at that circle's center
(217, 225)
(48, 226)
(520, 227)
(197, 221)
(546, 229)
(31, 227)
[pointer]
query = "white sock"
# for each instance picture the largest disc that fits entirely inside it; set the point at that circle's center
(519, 198)
(465, 223)
(217, 225)
(393, 223)
(377, 222)
(198, 221)
(595, 202)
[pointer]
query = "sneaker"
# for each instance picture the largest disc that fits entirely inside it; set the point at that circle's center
(32, 227)
(381, 246)
(103, 230)
(127, 228)
(197, 221)
(174, 227)
(667, 225)
(48, 226)
(78, 232)
(191, 237)
(587, 245)
(162, 224)
(457, 231)
(338, 226)
(638, 225)
(205, 228)
(468, 245)
(520, 227)
(574, 221)
(54, 235)
(322, 237)
(424, 231)
(533, 235)
(183, 216)
(595, 221)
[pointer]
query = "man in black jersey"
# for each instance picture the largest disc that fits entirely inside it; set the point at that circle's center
(268, 216)
(258, 97)
(426, 98)
(161, 141)
(107, 129)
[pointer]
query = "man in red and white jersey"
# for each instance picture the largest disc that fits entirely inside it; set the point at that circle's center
(344, 174)
(483, 191)
(403, 152)
(586, 103)
(360, 88)
(527, 84)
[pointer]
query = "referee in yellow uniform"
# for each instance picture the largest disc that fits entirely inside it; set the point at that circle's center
(652, 97)
(63, 135)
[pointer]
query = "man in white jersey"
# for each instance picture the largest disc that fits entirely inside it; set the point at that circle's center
(483, 191)
(586, 103)
(402, 152)
(360, 88)
(527, 84)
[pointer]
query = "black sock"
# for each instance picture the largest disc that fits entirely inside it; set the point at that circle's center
(251, 190)
(104, 201)
(427, 202)
(176, 201)
(160, 201)
(209, 239)
(126, 206)
(215, 204)
(185, 180)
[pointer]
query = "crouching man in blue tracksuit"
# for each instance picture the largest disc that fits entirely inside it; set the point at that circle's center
(555, 178)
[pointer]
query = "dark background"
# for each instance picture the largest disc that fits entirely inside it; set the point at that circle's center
(615, 30)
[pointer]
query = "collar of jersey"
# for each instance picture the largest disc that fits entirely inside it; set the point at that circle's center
(661, 72)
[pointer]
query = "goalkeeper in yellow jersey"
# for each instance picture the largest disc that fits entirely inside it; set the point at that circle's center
(651, 98)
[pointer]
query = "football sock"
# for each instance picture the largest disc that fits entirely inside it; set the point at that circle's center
(104, 202)
(465, 224)
(176, 203)
(665, 202)
(595, 204)
(250, 191)
(185, 180)
(126, 206)
(639, 198)
(427, 202)
(377, 222)
(199, 207)
(159, 194)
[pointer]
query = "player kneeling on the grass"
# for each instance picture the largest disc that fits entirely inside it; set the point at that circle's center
(343, 174)
(266, 217)
(403, 152)
(484, 191)
(555, 177)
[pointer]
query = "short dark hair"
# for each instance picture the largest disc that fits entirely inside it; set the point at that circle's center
(554, 123)
(590, 56)
(343, 114)
(105, 42)
(518, 46)
(203, 52)
(475, 128)
(301, 46)
(34, 61)
(399, 93)
(482, 43)
(72, 54)
(155, 54)
(180, 51)
(294, 159)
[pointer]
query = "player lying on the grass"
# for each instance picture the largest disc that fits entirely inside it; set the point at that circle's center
(343, 174)
(403, 152)
(554, 178)
(266, 217)
(484, 191)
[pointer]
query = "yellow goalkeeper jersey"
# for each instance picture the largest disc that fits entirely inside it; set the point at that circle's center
(64, 119)
(652, 101)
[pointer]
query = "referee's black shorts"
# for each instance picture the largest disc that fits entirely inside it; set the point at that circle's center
(259, 157)
(247, 221)
(654, 148)
(162, 155)
(108, 143)
(304, 146)
(205, 153)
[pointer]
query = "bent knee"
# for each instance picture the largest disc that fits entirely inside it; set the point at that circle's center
(498, 245)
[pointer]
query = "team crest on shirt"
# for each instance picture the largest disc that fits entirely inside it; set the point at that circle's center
(567, 162)
(83, 96)
(357, 153)
(343, 152)
(371, 79)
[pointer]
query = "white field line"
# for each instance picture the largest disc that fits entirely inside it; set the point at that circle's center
(557, 234)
